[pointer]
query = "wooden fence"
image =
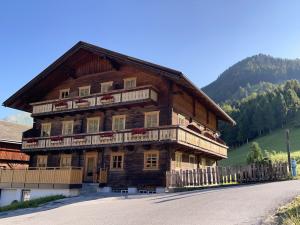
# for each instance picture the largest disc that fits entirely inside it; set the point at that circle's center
(213, 176)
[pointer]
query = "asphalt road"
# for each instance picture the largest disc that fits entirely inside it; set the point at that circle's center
(240, 205)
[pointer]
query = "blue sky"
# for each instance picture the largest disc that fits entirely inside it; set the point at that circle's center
(199, 38)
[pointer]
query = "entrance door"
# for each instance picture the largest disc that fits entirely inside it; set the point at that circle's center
(90, 167)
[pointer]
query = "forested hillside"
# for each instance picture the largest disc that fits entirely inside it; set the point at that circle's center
(252, 75)
(259, 114)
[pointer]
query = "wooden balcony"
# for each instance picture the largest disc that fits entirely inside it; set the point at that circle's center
(177, 134)
(49, 177)
(96, 101)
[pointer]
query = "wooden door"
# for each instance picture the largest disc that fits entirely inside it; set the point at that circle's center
(90, 168)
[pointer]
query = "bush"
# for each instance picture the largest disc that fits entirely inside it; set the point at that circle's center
(31, 203)
(255, 154)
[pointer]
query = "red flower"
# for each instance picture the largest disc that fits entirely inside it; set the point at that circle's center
(61, 104)
(81, 101)
(57, 138)
(107, 134)
(32, 140)
(107, 97)
(138, 131)
(79, 137)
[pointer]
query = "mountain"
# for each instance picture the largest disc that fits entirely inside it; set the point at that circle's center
(252, 74)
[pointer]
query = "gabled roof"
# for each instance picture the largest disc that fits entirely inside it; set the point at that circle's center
(177, 76)
(11, 132)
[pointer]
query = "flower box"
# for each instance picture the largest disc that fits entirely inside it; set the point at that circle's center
(79, 138)
(107, 99)
(32, 141)
(56, 139)
(107, 135)
(82, 103)
(137, 131)
(61, 105)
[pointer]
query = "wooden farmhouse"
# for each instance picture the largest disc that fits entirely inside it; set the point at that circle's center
(118, 122)
(11, 156)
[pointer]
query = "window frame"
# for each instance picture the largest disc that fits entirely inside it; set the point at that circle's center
(65, 156)
(117, 117)
(87, 124)
(194, 158)
(64, 90)
(105, 83)
(82, 88)
(63, 126)
(146, 154)
(129, 79)
(178, 164)
(149, 114)
(112, 155)
(45, 124)
(180, 117)
(43, 157)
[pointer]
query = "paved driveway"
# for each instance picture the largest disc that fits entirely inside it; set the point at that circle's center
(233, 205)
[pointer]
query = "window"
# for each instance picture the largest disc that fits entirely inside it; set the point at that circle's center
(116, 161)
(46, 130)
(151, 119)
(106, 86)
(64, 93)
(118, 122)
(42, 161)
(192, 161)
(181, 120)
(93, 125)
(151, 160)
(130, 82)
(65, 160)
(67, 127)
(84, 91)
(178, 159)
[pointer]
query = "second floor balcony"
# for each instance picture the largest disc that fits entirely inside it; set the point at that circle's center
(162, 134)
(142, 94)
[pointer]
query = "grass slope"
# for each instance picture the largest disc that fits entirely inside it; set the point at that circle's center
(273, 141)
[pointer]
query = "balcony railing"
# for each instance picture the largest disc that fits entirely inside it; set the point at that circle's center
(177, 134)
(50, 176)
(138, 94)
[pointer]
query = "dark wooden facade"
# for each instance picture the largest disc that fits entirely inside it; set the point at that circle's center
(178, 102)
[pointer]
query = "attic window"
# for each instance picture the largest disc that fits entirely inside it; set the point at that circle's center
(84, 91)
(64, 93)
(106, 86)
(130, 82)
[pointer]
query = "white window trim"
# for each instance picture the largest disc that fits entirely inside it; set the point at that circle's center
(104, 83)
(118, 116)
(194, 163)
(180, 116)
(145, 159)
(44, 124)
(84, 87)
(87, 123)
(111, 161)
(178, 154)
(127, 79)
(63, 124)
(64, 90)
(66, 156)
(151, 113)
(44, 157)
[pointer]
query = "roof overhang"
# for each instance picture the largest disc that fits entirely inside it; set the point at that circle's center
(16, 101)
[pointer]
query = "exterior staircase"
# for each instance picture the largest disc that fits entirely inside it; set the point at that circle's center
(89, 188)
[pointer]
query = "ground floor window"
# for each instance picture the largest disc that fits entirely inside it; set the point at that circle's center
(65, 160)
(178, 159)
(151, 159)
(192, 161)
(42, 161)
(116, 161)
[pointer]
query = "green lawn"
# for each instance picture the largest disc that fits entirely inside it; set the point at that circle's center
(275, 141)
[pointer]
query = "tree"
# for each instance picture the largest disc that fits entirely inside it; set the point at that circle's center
(255, 154)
